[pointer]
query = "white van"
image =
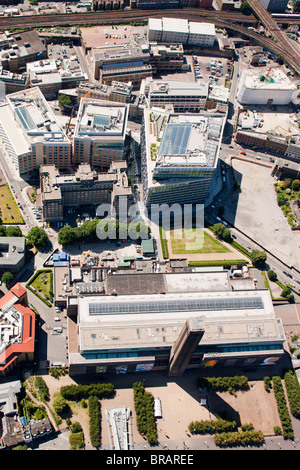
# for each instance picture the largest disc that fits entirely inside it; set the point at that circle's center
(56, 318)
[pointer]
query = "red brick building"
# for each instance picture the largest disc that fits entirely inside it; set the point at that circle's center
(17, 330)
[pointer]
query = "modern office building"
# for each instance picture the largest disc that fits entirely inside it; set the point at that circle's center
(31, 134)
(275, 6)
(85, 187)
(179, 155)
(17, 330)
(184, 96)
(122, 63)
(50, 78)
(166, 57)
(13, 81)
(201, 34)
(269, 86)
(173, 332)
(100, 132)
(17, 49)
(120, 92)
(176, 30)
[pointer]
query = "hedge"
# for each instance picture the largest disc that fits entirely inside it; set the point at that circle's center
(211, 426)
(222, 262)
(293, 392)
(287, 429)
(237, 382)
(42, 388)
(77, 392)
(244, 438)
(144, 408)
(95, 422)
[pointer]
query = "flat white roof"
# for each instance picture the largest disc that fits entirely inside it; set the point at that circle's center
(274, 79)
(202, 28)
(175, 24)
(155, 23)
(149, 320)
(13, 130)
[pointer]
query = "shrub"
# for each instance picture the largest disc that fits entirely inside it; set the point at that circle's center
(268, 384)
(42, 388)
(144, 408)
(211, 426)
(76, 427)
(287, 429)
(237, 382)
(272, 275)
(59, 404)
(293, 393)
(244, 438)
(77, 441)
(77, 392)
(94, 414)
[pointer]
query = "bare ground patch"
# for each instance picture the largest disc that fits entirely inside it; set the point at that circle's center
(254, 406)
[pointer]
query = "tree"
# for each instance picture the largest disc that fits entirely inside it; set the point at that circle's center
(2, 231)
(245, 8)
(59, 403)
(66, 235)
(222, 232)
(7, 278)
(14, 232)
(281, 199)
(258, 257)
(272, 275)
(88, 230)
(65, 103)
(295, 185)
(38, 237)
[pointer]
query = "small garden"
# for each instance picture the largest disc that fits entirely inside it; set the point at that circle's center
(9, 211)
(287, 192)
(41, 284)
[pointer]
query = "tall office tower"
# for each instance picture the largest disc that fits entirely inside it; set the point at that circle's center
(179, 155)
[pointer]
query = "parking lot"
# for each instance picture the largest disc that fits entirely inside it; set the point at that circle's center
(255, 211)
(214, 70)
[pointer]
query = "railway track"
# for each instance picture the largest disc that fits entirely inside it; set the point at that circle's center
(288, 49)
(115, 16)
(278, 43)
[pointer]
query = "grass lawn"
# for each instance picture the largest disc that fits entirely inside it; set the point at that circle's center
(186, 244)
(10, 213)
(43, 284)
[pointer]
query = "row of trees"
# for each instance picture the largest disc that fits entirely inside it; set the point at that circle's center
(212, 426)
(236, 382)
(144, 408)
(104, 228)
(77, 392)
(286, 290)
(257, 257)
(243, 438)
(95, 421)
(287, 428)
(293, 392)
(42, 388)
